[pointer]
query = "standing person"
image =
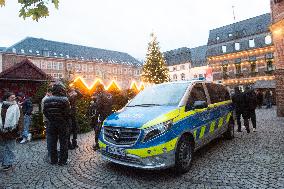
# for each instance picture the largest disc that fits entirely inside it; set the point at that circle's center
(57, 111)
(238, 104)
(9, 130)
(103, 105)
(250, 102)
(74, 95)
(27, 108)
(45, 120)
(259, 98)
(268, 99)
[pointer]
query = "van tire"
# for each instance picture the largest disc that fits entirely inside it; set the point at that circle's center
(229, 134)
(183, 155)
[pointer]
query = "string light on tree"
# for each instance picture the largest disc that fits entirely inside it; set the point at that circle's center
(154, 69)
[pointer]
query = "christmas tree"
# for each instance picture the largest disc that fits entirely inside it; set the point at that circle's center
(154, 69)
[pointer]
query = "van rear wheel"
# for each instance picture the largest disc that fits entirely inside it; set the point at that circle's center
(184, 153)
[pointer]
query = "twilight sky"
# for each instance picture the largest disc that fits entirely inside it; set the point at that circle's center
(125, 25)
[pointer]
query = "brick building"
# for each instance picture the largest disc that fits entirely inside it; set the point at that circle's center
(185, 63)
(63, 60)
(242, 53)
(277, 28)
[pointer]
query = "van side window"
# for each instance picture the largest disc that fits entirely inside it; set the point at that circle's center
(197, 94)
(217, 93)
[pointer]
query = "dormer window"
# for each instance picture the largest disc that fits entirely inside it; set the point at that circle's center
(251, 43)
(23, 51)
(14, 50)
(268, 40)
(67, 56)
(30, 51)
(45, 53)
(217, 38)
(224, 49)
(37, 52)
(230, 35)
(237, 46)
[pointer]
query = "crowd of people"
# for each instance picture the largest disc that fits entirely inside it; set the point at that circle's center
(59, 116)
(245, 104)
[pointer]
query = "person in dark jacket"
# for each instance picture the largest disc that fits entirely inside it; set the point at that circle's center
(238, 103)
(268, 99)
(27, 109)
(57, 110)
(259, 96)
(73, 95)
(250, 101)
(103, 108)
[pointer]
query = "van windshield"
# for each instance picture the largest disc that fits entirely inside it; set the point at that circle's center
(160, 95)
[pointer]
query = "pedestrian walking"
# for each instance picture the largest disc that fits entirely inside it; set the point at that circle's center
(103, 108)
(46, 122)
(57, 111)
(259, 96)
(268, 99)
(250, 103)
(27, 108)
(9, 130)
(74, 95)
(238, 103)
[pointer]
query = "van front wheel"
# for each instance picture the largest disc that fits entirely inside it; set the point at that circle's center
(229, 134)
(183, 155)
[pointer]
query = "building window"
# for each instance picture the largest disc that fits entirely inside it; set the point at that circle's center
(60, 66)
(238, 66)
(55, 66)
(182, 67)
(224, 49)
(174, 68)
(251, 43)
(49, 65)
(115, 70)
(230, 35)
(60, 75)
(43, 65)
(77, 67)
(268, 40)
(90, 68)
(55, 75)
(237, 46)
(22, 51)
(217, 38)
(14, 50)
(269, 65)
(174, 77)
(252, 60)
(69, 66)
(182, 76)
(120, 71)
(84, 67)
(200, 76)
(224, 70)
(129, 71)
(125, 70)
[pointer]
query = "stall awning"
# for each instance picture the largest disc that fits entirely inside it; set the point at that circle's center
(265, 84)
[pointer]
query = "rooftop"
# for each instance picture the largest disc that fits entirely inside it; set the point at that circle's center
(2, 49)
(42, 47)
(197, 56)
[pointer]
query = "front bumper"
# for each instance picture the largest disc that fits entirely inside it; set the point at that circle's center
(156, 162)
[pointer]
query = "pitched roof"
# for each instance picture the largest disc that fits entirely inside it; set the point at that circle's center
(41, 47)
(177, 56)
(197, 56)
(256, 28)
(2, 49)
(24, 70)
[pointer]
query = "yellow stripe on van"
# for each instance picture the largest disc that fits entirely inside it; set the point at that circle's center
(194, 134)
(101, 144)
(155, 150)
(202, 132)
(228, 117)
(212, 126)
(221, 121)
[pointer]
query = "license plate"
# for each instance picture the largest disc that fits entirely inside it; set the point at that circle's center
(116, 151)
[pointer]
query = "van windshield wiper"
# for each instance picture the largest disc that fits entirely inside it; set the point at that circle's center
(144, 105)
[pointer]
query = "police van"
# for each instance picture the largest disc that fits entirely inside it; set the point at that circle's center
(165, 123)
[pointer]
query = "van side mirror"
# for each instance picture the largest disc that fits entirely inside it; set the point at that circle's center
(200, 105)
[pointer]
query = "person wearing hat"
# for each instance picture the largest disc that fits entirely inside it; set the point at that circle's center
(57, 111)
(27, 109)
(103, 108)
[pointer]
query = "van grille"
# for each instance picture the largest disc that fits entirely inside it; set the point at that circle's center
(120, 135)
(125, 159)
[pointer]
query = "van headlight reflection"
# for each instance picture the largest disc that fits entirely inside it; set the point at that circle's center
(156, 130)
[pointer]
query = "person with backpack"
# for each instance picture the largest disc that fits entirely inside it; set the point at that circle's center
(103, 108)
(9, 130)
(57, 111)
(250, 104)
(238, 104)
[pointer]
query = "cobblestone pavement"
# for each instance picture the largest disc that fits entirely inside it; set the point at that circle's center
(254, 160)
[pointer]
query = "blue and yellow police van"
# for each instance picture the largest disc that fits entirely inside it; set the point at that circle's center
(166, 123)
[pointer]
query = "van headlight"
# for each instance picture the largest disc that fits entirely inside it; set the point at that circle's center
(156, 130)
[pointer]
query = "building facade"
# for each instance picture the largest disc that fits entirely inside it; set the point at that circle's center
(63, 60)
(186, 64)
(242, 53)
(277, 28)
